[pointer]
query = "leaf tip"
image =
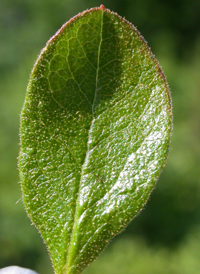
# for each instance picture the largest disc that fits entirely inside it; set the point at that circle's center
(102, 7)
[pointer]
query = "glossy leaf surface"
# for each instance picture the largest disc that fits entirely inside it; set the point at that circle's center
(95, 129)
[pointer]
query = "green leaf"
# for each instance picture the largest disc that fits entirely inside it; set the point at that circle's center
(95, 130)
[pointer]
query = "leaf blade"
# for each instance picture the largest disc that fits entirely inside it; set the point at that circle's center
(85, 134)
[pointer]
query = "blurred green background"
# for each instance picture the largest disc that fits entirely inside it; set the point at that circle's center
(165, 237)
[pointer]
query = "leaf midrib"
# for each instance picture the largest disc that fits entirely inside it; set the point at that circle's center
(69, 256)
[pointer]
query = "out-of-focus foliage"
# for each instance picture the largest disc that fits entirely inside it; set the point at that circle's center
(134, 256)
(168, 229)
